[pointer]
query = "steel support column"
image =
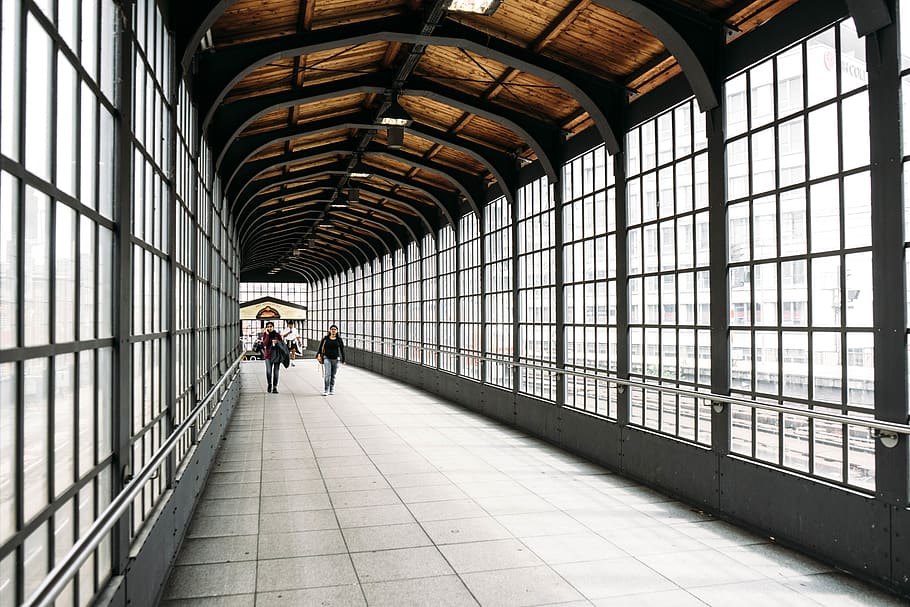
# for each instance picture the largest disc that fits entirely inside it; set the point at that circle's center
(122, 462)
(622, 287)
(717, 238)
(888, 258)
(559, 285)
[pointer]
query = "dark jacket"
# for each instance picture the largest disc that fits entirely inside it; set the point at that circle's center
(267, 343)
(331, 348)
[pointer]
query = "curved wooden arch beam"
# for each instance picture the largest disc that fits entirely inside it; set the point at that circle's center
(378, 210)
(346, 253)
(221, 69)
(248, 172)
(308, 205)
(446, 201)
(294, 228)
(258, 201)
(389, 246)
(241, 149)
(252, 232)
(430, 227)
(470, 186)
(692, 38)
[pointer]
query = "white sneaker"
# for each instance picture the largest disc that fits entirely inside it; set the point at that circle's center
(331, 393)
(325, 393)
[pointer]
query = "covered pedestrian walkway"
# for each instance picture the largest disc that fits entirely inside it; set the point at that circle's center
(387, 495)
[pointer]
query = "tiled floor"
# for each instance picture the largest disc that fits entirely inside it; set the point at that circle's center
(385, 496)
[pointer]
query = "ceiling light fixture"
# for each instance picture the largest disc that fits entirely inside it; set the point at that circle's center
(395, 137)
(395, 115)
(479, 7)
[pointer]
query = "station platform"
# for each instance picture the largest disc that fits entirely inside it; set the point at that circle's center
(385, 495)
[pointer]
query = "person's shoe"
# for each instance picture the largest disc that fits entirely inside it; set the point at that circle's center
(293, 365)
(269, 389)
(331, 393)
(324, 393)
(275, 390)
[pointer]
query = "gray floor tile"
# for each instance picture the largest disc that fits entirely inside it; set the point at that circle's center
(305, 572)
(599, 579)
(756, 594)
(356, 483)
(667, 598)
(430, 493)
(449, 509)
(658, 539)
(236, 600)
(448, 591)
(293, 487)
(371, 516)
(290, 522)
(332, 596)
(216, 526)
(519, 587)
(295, 503)
(540, 523)
(231, 490)
(371, 497)
(211, 580)
(385, 537)
(700, 568)
(458, 531)
(488, 556)
(841, 590)
(218, 550)
(303, 543)
(244, 505)
(573, 548)
(404, 563)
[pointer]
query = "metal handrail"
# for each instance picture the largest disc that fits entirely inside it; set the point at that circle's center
(872, 424)
(54, 583)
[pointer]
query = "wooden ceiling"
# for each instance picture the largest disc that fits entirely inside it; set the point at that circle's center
(290, 92)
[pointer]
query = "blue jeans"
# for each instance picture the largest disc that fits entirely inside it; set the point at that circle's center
(271, 371)
(331, 368)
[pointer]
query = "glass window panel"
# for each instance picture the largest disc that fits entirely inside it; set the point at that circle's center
(105, 282)
(106, 165)
(35, 452)
(9, 234)
(107, 42)
(858, 267)
(852, 58)
(795, 369)
(36, 277)
(790, 81)
(761, 103)
(38, 121)
(826, 367)
(86, 278)
(764, 227)
(65, 274)
(738, 232)
(821, 62)
(857, 211)
(738, 169)
(88, 143)
(823, 143)
(826, 295)
(86, 411)
(740, 360)
(10, 47)
(65, 143)
(64, 422)
(861, 369)
(765, 285)
(35, 559)
(736, 115)
(825, 220)
(793, 238)
(855, 140)
(791, 152)
(8, 456)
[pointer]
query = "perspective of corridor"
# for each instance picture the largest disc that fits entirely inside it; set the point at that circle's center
(622, 289)
(385, 495)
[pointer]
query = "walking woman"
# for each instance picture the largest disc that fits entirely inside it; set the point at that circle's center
(330, 354)
(271, 355)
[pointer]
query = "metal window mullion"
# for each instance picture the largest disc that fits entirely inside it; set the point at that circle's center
(516, 294)
(171, 353)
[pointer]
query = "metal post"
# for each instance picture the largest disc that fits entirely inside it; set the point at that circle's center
(888, 269)
(622, 289)
(171, 317)
(559, 285)
(516, 268)
(122, 315)
(717, 238)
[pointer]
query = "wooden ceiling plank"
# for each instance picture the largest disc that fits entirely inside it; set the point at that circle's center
(559, 25)
(305, 16)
